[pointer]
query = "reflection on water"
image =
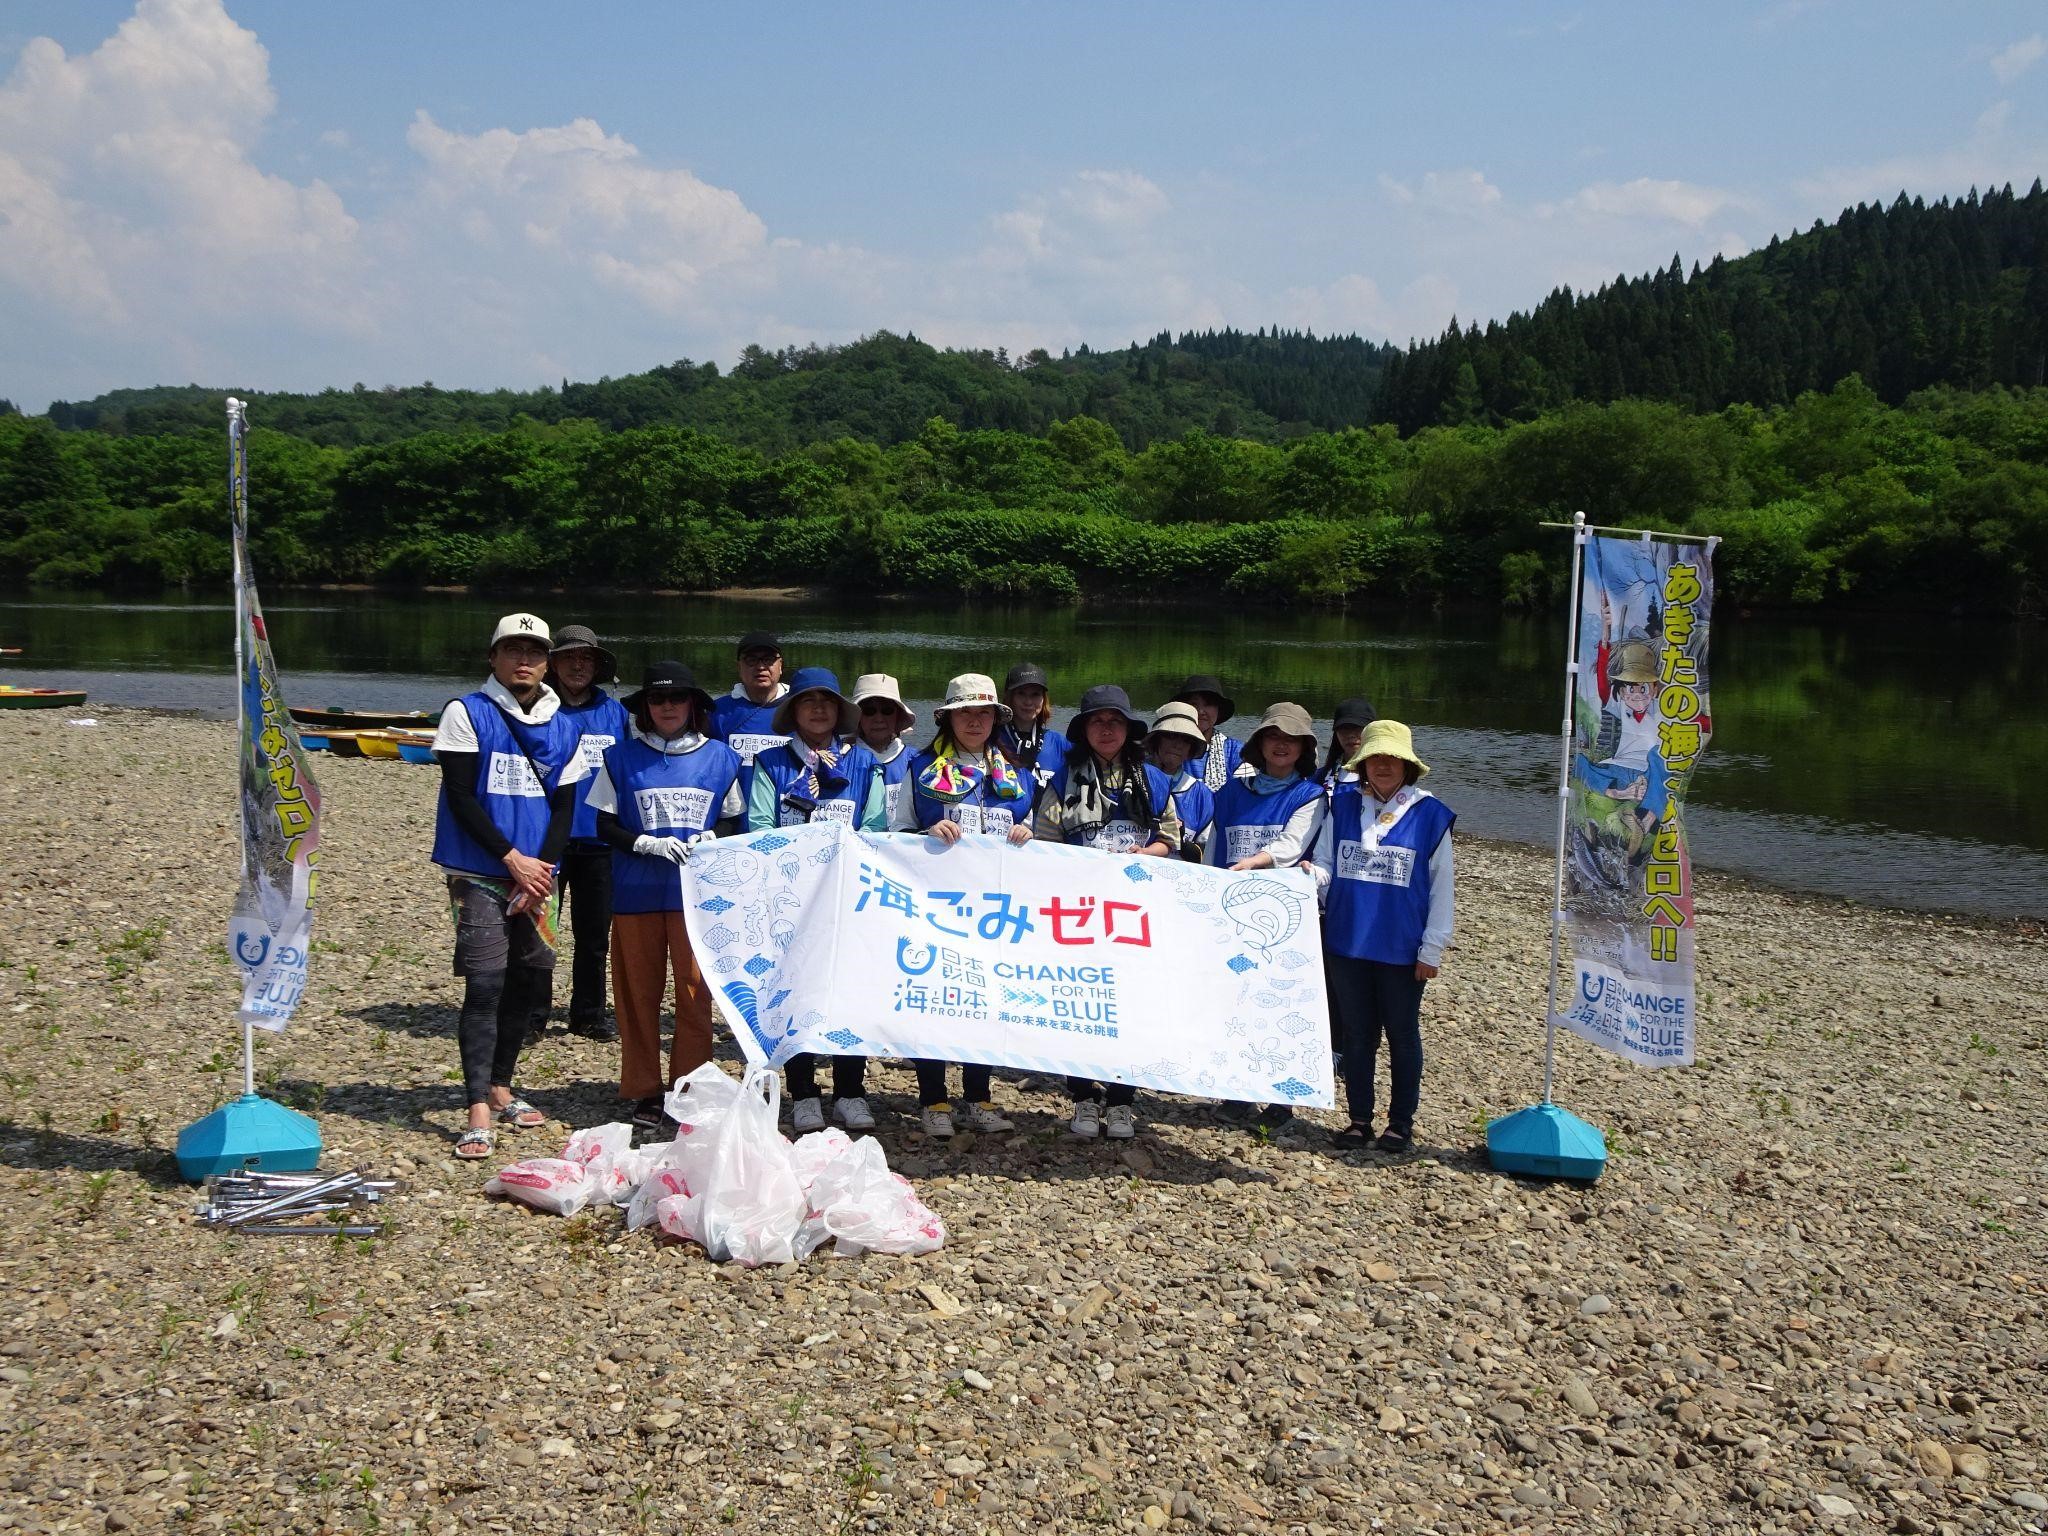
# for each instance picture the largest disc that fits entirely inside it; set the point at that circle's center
(1885, 760)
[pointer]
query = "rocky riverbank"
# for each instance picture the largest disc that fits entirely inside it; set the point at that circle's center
(1809, 1293)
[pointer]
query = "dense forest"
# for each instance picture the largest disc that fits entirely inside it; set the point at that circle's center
(1858, 410)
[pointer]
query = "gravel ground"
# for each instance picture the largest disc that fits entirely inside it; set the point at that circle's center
(1808, 1294)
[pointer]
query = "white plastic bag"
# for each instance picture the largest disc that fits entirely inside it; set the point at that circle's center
(551, 1184)
(596, 1147)
(701, 1098)
(624, 1174)
(750, 1203)
(698, 1103)
(814, 1153)
(857, 1200)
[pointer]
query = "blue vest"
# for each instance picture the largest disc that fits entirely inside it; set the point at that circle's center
(602, 722)
(982, 811)
(897, 769)
(748, 728)
(663, 794)
(1246, 821)
(512, 794)
(1195, 804)
(1379, 899)
(1121, 833)
(848, 803)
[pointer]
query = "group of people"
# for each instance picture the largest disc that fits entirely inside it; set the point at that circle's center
(554, 789)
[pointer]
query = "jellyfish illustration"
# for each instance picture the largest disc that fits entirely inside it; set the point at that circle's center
(782, 930)
(790, 866)
(1264, 912)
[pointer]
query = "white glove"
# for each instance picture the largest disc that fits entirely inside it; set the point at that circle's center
(706, 836)
(674, 849)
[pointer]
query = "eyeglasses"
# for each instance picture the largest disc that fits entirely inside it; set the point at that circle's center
(761, 658)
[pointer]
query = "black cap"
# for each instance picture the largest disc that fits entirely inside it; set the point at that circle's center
(580, 637)
(1026, 674)
(758, 640)
(1209, 683)
(665, 677)
(1355, 712)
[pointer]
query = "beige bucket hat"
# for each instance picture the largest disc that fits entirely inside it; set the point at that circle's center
(1287, 720)
(1178, 719)
(880, 685)
(1387, 738)
(973, 690)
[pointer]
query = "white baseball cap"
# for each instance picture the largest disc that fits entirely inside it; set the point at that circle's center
(522, 626)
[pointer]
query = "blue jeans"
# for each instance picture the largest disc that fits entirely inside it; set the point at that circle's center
(1368, 1001)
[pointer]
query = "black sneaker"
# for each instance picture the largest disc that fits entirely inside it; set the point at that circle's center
(599, 1028)
(1393, 1141)
(1275, 1116)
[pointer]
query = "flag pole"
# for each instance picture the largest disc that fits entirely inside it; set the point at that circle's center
(1564, 790)
(1547, 1141)
(238, 509)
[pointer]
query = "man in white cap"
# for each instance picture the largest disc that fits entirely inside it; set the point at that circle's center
(509, 766)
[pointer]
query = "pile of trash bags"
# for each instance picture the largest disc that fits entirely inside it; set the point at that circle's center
(732, 1182)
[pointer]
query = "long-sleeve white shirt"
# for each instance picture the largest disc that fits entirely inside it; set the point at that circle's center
(1443, 879)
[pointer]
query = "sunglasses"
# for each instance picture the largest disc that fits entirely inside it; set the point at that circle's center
(878, 707)
(666, 696)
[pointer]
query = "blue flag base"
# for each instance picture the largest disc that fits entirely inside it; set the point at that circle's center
(249, 1134)
(1545, 1142)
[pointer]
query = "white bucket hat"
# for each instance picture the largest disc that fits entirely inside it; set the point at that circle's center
(522, 626)
(880, 685)
(973, 690)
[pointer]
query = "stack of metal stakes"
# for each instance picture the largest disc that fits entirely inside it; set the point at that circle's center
(297, 1204)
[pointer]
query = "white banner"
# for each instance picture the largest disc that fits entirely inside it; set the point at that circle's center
(1059, 960)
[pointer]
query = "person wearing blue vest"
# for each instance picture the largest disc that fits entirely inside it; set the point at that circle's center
(1383, 860)
(1352, 717)
(509, 766)
(1107, 797)
(1027, 737)
(1221, 753)
(964, 783)
(744, 719)
(819, 774)
(578, 667)
(1176, 736)
(884, 718)
(656, 795)
(1268, 818)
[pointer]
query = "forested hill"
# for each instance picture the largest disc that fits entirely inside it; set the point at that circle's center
(1265, 385)
(1907, 297)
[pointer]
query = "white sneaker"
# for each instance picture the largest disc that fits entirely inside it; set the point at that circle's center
(1087, 1121)
(808, 1115)
(1123, 1125)
(983, 1117)
(937, 1121)
(854, 1114)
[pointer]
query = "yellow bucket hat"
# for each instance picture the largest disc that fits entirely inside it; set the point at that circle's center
(1388, 738)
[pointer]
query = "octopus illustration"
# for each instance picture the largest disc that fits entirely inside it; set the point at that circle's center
(1265, 914)
(1267, 1057)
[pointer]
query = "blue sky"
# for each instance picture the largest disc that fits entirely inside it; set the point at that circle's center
(273, 194)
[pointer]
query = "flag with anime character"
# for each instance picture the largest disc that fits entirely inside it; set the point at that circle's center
(1640, 719)
(270, 930)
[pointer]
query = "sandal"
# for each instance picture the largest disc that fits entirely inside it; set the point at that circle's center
(1357, 1134)
(521, 1116)
(1392, 1141)
(474, 1144)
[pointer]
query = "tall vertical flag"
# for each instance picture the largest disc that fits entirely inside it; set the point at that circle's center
(1640, 719)
(270, 933)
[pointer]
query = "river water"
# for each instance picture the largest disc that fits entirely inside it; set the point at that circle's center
(1890, 761)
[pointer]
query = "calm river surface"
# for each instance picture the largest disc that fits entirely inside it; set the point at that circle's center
(1892, 761)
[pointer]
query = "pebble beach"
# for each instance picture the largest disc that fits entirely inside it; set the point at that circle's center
(1809, 1294)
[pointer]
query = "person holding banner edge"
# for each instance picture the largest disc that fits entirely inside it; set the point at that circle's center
(964, 783)
(509, 766)
(1107, 797)
(821, 772)
(1384, 865)
(662, 791)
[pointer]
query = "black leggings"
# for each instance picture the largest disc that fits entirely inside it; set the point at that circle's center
(1079, 1088)
(496, 1006)
(931, 1083)
(586, 882)
(849, 1076)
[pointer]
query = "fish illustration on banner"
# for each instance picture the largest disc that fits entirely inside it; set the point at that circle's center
(270, 932)
(1641, 718)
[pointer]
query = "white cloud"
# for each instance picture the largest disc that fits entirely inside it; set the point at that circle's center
(336, 138)
(1990, 157)
(1677, 202)
(127, 186)
(2015, 59)
(1461, 191)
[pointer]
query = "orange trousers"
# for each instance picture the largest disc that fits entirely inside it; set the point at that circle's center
(646, 946)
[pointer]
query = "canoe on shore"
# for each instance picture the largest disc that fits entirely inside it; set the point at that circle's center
(388, 745)
(39, 698)
(365, 720)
